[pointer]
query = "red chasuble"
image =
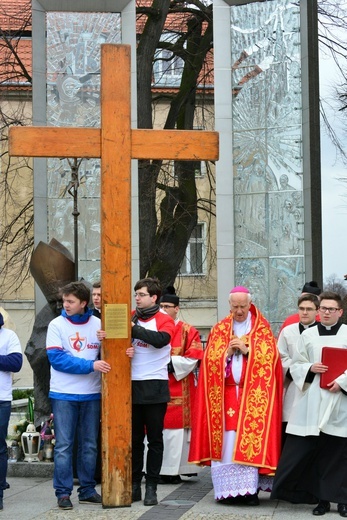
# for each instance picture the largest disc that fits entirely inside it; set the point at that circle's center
(186, 343)
(259, 409)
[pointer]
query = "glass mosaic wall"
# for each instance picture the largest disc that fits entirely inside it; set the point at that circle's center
(267, 153)
(73, 99)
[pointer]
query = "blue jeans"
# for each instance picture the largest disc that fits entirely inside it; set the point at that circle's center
(81, 418)
(5, 412)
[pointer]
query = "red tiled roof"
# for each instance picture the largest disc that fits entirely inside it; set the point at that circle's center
(10, 69)
(13, 13)
(174, 22)
(16, 15)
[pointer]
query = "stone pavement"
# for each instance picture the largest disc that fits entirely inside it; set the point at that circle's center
(32, 498)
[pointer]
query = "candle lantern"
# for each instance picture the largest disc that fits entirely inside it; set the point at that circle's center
(31, 444)
(48, 446)
(13, 452)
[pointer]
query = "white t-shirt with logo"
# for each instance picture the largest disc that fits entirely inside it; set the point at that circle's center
(77, 340)
(149, 362)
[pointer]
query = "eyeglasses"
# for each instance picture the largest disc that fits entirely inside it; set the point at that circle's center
(164, 306)
(141, 294)
(307, 309)
(330, 310)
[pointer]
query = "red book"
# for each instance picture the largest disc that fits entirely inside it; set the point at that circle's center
(336, 359)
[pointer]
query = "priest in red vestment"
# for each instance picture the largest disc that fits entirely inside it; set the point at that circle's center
(186, 351)
(238, 414)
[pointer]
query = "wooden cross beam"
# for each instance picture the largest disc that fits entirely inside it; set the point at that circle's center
(116, 144)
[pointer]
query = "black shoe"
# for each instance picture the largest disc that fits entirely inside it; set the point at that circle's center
(65, 503)
(136, 492)
(176, 479)
(251, 500)
(224, 501)
(94, 499)
(1, 504)
(151, 496)
(170, 479)
(342, 509)
(322, 508)
(231, 501)
(164, 479)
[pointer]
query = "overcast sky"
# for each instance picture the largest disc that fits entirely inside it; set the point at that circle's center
(334, 192)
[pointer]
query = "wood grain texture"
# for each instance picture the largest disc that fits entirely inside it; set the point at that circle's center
(175, 144)
(48, 141)
(44, 141)
(116, 270)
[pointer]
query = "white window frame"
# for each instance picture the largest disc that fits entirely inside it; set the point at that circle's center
(166, 72)
(193, 241)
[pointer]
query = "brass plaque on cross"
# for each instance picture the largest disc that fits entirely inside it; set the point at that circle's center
(116, 320)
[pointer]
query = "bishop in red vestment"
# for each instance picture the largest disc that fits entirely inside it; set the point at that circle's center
(238, 414)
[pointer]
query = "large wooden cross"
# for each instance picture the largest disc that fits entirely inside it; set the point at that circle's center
(116, 144)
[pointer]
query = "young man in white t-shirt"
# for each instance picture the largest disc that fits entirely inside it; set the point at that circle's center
(152, 330)
(75, 391)
(11, 360)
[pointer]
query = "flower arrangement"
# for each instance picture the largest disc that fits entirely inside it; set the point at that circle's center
(18, 429)
(47, 429)
(48, 439)
(21, 426)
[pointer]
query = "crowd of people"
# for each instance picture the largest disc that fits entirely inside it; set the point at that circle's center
(251, 406)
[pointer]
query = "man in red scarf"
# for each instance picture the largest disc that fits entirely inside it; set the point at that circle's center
(237, 426)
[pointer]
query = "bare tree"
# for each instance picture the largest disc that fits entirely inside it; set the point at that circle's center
(335, 284)
(16, 228)
(332, 30)
(164, 234)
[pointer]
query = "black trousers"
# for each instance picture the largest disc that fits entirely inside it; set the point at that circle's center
(147, 419)
(312, 468)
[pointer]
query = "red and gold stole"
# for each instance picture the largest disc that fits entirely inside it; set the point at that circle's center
(261, 404)
(186, 343)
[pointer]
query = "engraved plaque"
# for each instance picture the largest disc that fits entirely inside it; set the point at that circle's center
(116, 320)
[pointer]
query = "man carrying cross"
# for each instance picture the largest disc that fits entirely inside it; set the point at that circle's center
(75, 385)
(151, 332)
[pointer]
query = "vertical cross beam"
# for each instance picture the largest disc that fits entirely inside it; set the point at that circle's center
(116, 272)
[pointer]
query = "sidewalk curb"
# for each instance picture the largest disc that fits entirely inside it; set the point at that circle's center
(30, 469)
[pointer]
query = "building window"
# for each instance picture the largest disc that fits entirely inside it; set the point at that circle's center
(194, 262)
(199, 168)
(168, 68)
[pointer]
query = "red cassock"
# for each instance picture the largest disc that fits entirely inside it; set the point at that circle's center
(257, 412)
(186, 343)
